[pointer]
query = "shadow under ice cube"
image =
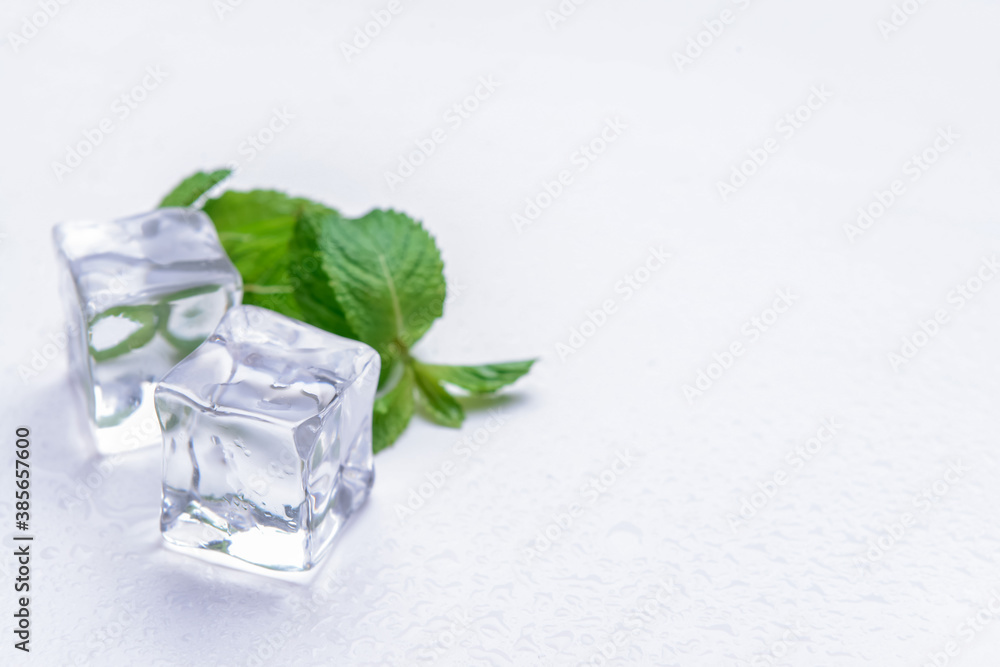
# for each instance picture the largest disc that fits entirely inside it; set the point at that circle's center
(142, 293)
(267, 439)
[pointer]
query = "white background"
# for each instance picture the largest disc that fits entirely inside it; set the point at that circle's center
(452, 584)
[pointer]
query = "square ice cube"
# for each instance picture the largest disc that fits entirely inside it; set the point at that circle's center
(143, 292)
(267, 439)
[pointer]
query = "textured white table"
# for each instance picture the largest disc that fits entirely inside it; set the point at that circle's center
(655, 564)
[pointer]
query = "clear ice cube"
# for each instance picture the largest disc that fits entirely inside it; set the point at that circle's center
(267, 439)
(142, 292)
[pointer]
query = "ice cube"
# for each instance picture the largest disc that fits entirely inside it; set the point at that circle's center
(267, 439)
(143, 292)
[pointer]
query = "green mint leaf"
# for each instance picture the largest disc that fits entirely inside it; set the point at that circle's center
(387, 274)
(255, 229)
(378, 279)
(192, 188)
(482, 379)
(313, 287)
(143, 317)
(439, 405)
(184, 346)
(392, 412)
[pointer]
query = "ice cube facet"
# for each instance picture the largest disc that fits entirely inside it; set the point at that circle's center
(143, 292)
(267, 439)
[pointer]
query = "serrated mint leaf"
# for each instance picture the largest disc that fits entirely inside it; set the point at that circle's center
(439, 405)
(387, 274)
(378, 279)
(193, 187)
(255, 229)
(313, 287)
(481, 379)
(393, 411)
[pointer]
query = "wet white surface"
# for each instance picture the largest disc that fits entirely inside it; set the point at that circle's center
(663, 563)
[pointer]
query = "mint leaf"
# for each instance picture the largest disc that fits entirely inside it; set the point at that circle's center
(378, 279)
(387, 275)
(255, 229)
(313, 286)
(184, 346)
(143, 317)
(193, 187)
(482, 379)
(436, 401)
(393, 411)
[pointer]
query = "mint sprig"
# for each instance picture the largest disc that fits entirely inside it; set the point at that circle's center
(383, 270)
(484, 379)
(255, 228)
(378, 279)
(439, 405)
(393, 409)
(194, 187)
